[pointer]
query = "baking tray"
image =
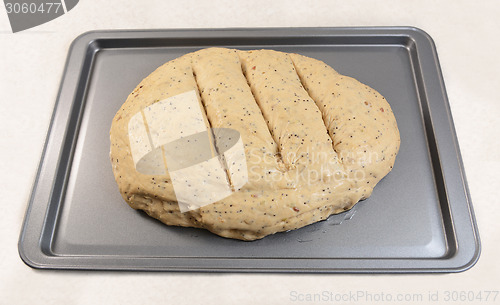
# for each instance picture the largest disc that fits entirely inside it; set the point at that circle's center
(418, 219)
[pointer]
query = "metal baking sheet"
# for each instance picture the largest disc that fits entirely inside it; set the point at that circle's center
(419, 218)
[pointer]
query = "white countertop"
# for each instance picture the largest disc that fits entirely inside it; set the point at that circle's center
(31, 65)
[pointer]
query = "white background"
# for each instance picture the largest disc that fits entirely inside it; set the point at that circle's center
(31, 65)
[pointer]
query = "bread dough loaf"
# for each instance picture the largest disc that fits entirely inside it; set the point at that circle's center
(315, 142)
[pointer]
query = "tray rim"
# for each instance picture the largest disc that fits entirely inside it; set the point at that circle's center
(33, 253)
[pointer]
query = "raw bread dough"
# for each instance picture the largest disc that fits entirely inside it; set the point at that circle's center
(315, 141)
